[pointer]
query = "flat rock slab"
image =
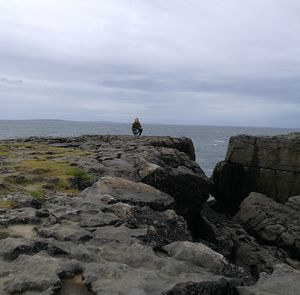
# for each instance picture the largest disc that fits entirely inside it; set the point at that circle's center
(65, 232)
(127, 191)
(37, 273)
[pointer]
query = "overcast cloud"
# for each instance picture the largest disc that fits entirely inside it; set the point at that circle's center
(210, 62)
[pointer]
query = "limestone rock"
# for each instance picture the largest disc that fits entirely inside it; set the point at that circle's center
(283, 281)
(36, 273)
(236, 244)
(123, 190)
(222, 286)
(196, 253)
(64, 232)
(113, 234)
(268, 165)
(274, 223)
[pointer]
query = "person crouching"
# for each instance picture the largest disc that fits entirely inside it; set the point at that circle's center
(136, 127)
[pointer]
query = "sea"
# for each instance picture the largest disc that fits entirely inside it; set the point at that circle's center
(210, 142)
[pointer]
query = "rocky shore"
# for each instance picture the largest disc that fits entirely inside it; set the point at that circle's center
(123, 215)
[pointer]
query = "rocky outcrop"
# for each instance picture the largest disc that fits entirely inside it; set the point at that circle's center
(269, 165)
(121, 215)
(272, 223)
(124, 234)
(164, 163)
(123, 254)
(236, 244)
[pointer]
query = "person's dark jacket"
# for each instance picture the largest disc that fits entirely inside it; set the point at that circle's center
(136, 125)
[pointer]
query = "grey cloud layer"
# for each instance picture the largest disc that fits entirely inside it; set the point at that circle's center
(195, 62)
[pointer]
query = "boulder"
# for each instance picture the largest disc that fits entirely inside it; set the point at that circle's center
(269, 165)
(272, 223)
(196, 253)
(236, 244)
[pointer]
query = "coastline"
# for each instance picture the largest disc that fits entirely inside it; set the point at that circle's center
(124, 214)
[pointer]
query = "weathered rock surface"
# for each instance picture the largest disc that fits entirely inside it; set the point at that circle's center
(126, 191)
(164, 163)
(268, 165)
(236, 244)
(118, 234)
(272, 223)
(284, 280)
(222, 287)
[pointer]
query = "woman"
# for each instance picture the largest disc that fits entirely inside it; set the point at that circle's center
(136, 127)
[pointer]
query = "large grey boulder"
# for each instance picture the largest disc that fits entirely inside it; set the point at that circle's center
(273, 223)
(236, 244)
(269, 165)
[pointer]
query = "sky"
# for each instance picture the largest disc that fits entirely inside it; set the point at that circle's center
(199, 62)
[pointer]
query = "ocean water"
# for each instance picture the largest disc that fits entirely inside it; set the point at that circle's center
(210, 141)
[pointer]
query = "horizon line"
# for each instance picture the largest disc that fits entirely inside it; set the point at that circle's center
(149, 123)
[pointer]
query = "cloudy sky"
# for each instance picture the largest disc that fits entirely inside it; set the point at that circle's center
(207, 62)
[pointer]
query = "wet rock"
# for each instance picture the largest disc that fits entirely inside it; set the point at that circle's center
(268, 165)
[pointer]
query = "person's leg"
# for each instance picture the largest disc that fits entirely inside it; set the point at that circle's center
(135, 132)
(140, 131)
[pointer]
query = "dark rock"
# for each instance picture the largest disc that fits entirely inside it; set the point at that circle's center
(236, 244)
(269, 165)
(221, 287)
(64, 232)
(20, 200)
(22, 215)
(163, 227)
(42, 213)
(17, 178)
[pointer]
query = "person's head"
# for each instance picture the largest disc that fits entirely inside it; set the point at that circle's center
(136, 120)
